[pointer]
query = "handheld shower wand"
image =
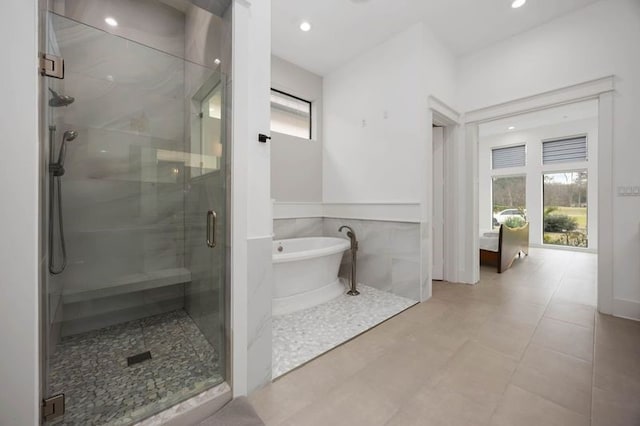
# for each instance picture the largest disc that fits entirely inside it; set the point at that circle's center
(56, 170)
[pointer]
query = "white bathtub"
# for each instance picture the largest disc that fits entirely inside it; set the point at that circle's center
(305, 272)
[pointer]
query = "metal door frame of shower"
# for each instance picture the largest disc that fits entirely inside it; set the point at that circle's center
(223, 392)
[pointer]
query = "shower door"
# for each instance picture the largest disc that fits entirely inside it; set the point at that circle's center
(135, 218)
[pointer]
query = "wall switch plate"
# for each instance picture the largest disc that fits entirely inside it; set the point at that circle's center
(629, 191)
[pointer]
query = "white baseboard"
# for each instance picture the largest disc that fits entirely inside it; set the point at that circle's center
(629, 309)
(565, 248)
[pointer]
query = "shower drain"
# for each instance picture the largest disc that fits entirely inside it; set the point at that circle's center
(137, 359)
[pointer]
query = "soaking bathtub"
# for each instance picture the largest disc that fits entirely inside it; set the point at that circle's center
(305, 272)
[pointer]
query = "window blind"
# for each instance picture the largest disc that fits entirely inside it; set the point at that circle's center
(512, 156)
(569, 150)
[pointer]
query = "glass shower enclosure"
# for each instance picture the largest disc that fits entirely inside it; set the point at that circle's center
(136, 155)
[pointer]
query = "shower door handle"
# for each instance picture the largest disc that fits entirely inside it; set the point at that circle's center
(212, 218)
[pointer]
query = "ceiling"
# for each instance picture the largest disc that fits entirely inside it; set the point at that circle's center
(341, 29)
(548, 117)
(217, 7)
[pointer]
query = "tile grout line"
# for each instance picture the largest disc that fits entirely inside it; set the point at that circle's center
(444, 366)
(529, 344)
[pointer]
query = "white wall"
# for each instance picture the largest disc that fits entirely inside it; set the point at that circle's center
(534, 169)
(19, 363)
(376, 124)
(252, 222)
(259, 154)
(377, 127)
(373, 129)
(593, 42)
(296, 163)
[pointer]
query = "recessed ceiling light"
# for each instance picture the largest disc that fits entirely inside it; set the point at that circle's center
(111, 21)
(518, 3)
(511, 128)
(305, 26)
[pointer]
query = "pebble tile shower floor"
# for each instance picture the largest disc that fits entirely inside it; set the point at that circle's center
(91, 369)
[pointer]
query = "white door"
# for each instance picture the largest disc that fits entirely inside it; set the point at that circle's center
(438, 203)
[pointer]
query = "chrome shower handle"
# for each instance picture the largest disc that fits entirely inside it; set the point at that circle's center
(212, 218)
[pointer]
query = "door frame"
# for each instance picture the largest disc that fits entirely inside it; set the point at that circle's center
(438, 243)
(442, 115)
(602, 90)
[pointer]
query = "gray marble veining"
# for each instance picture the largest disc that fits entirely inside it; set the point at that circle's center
(259, 322)
(389, 254)
(298, 228)
(149, 22)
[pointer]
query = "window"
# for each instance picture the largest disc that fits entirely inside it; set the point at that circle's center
(290, 115)
(568, 150)
(509, 201)
(511, 156)
(565, 208)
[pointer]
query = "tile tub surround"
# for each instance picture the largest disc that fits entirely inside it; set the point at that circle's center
(298, 228)
(91, 369)
(389, 253)
(303, 335)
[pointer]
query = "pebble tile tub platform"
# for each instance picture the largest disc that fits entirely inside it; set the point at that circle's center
(301, 336)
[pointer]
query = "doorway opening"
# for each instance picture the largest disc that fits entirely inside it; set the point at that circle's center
(537, 175)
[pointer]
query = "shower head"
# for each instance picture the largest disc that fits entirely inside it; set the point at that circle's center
(58, 100)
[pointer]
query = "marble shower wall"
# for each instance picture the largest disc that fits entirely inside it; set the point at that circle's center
(389, 255)
(128, 173)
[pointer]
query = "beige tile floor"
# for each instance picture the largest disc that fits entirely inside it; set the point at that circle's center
(525, 347)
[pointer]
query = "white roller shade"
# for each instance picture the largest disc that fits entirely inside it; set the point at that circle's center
(512, 156)
(564, 150)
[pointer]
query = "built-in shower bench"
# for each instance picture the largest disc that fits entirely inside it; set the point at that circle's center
(129, 284)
